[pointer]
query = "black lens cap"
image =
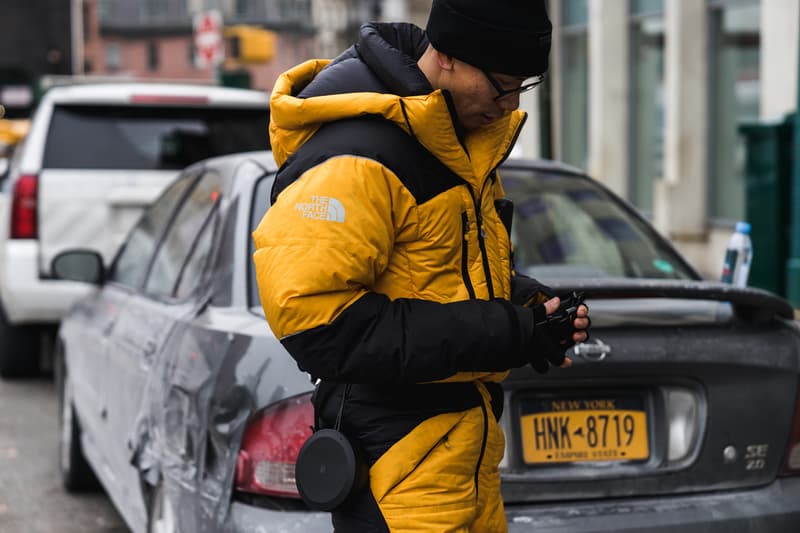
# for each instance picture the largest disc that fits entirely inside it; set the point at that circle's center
(328, 470)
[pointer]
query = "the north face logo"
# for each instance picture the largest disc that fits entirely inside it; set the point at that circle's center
(322, 208)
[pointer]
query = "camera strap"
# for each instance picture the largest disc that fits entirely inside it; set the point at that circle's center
(338, 423)
(324, 392)
(329, 469)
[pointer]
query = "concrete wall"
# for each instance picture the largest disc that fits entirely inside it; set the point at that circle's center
(529, 141)
(779, 41)
(609, 108)
(556, 79)
(680, 210)
(680, 205)
(780, 20)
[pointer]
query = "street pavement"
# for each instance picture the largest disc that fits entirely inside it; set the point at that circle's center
(32, 499)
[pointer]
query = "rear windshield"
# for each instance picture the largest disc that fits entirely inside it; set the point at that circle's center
(567, 227)
(149, 138)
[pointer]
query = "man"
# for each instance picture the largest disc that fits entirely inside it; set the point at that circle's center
(383, 263)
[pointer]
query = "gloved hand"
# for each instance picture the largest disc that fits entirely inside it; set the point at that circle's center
(557, 325)
(544, 352)
(528, 292)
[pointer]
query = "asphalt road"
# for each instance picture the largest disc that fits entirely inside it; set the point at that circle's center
(32, 499)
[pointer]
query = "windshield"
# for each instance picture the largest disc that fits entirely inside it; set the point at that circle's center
(149, 137)
(567, 227)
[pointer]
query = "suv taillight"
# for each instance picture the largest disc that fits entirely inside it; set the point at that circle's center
(792, 465)
(23, 208)
(270, 445)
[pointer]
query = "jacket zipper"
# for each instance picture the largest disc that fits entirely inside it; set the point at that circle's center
(481, 232)
(482, 240)
(465, 255)
(479, 220)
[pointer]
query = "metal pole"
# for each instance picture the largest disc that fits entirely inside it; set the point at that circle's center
(793, 263)
(77, 32)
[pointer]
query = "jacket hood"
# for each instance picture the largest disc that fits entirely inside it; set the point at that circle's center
(391, 83)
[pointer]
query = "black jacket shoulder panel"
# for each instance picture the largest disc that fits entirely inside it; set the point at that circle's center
(378, 139)
(392, 52)
(384, 60)
(346, 74)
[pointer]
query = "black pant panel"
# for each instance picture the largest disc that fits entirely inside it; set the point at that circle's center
(360, 514)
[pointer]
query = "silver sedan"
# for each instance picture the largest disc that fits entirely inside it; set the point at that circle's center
(681, 411)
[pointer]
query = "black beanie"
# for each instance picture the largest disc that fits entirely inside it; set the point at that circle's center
(503, 36)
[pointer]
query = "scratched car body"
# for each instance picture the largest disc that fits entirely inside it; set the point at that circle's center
(681, 411)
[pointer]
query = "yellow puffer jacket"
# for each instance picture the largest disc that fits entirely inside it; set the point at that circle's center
(312, 266)
(383, 263)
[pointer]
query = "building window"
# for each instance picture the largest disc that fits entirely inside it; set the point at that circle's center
(113, 60)
(574, 12)
(242, 8)
(647, 100)
(152, 55)
(290, 15)
(575, 83)
(735, 97)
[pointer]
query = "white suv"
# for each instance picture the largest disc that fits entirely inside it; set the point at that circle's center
(94, 157)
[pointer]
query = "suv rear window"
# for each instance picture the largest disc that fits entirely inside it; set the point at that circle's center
(149, 137)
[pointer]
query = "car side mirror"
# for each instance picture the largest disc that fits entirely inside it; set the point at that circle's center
(79, 265)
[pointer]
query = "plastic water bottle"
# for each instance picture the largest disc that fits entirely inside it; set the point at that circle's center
(738, 256)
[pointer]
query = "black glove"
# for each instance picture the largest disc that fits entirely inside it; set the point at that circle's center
(544, 350)
(552, 334)
(528, 291)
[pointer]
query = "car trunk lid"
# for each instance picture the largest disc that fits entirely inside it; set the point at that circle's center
(691, 391)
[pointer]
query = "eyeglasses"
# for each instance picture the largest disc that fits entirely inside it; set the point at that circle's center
(503, 93)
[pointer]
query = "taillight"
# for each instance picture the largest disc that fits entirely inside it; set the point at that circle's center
(792, 465)
(23, 208)
(271, 442)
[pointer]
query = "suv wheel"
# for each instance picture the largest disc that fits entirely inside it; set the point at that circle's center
(76, 474)
(19, 349)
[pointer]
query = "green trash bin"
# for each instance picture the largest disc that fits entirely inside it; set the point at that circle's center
(768, 178)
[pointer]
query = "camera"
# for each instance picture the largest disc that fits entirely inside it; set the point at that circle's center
(560, 324)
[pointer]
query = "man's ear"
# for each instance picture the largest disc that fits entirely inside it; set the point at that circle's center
(444, 61)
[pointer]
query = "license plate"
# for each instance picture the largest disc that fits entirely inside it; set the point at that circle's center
(583, 429)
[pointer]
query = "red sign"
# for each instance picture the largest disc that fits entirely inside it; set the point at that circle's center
(208, 44)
